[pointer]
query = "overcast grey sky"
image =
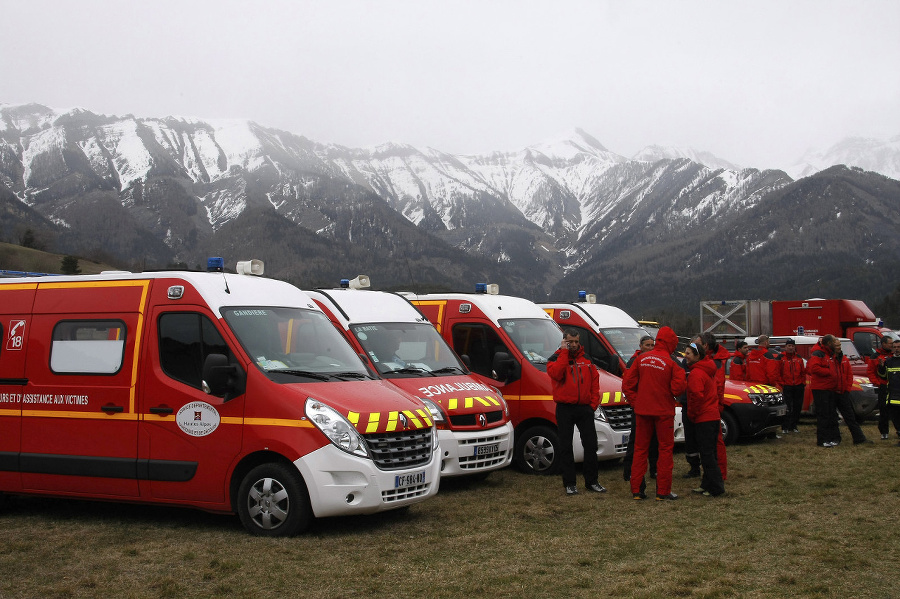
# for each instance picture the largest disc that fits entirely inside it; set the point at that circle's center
(755, 82)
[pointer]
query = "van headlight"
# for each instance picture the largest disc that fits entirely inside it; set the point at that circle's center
(437, 414)
(337, 428)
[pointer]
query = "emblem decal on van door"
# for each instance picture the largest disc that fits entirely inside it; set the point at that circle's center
(16, 338)
(197, 419)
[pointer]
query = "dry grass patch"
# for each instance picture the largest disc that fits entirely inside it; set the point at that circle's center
(797, 521)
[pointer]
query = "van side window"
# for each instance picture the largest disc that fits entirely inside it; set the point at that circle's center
(185, 339)
(866, 343)
(87, 347)
(480, 343)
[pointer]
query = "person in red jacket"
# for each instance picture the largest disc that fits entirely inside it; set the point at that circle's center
(719, 356)
(646, 344)
(703, 410)
(823, 381)
(842, 397)
(872, 364)
(651, 385)
(761, 365)
(793, 383)
(738, 369)
(576, 391)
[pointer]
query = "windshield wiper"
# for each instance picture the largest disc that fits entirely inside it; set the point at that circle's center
(447, 369)
(313, 375)
(408, 370)
(350, 375)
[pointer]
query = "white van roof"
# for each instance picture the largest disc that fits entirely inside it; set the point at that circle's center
(218, 289)
(603, 315)
(363, 305)
(495, 307)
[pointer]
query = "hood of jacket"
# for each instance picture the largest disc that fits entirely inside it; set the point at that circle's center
(668, 339)
(706, 365)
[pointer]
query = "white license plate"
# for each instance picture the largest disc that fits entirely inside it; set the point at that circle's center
(625, 439)
(409, 480)
(491, 449)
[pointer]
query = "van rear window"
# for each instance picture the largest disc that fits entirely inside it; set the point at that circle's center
(87, 347)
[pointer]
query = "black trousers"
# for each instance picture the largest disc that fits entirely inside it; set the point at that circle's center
(845, 407)
(826, 416)
(707, 436)
(691, 449)
(629, 452)
(568, 417)
(793, 397)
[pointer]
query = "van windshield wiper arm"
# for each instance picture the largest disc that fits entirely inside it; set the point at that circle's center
(313, 375)
(350, 375)
(408, 370)
(447, 369)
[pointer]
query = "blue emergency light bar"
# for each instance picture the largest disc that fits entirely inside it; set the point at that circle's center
(582, 295)
(345, 283)
(215, 265)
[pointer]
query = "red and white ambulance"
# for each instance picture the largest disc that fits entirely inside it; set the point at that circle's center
(224, 392)
(472, 419)
(505, 341)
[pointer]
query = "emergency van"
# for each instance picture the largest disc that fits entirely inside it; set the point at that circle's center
(224, 392)
(505, 342)
(608, 335)
(472, 419)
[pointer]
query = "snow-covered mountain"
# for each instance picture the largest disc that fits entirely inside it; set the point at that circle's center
(876, 155)
(173, 189)
(655, 152)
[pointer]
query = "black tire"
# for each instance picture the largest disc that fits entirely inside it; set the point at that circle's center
(272, 501)
(730, 430)
(537, 450)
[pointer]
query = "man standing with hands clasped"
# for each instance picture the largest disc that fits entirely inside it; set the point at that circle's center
(576, 391)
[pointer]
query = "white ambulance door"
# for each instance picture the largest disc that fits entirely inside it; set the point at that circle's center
(188, 440)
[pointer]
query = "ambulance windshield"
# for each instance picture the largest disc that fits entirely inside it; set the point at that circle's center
(294, 341)
(625, 340)
(536, 339)
(407, 349)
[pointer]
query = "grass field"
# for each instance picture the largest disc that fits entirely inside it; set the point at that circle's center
(797, 520)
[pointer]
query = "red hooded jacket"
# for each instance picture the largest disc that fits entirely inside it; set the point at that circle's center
(574, 379)
(654, 380)
(761, 366)
(719, 358)
(793, 371)
(738, 370)
(844, 372)
(703, 396)
(822, 369)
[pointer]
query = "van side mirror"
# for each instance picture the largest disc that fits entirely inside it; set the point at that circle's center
(222, 379)
(466, 360)
(505, 368)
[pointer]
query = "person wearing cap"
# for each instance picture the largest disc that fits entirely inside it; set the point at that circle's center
(761, 365)
(651, 386)
(576, 391)
(872, 364)
(793, 381)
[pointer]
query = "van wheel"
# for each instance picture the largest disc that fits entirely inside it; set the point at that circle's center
(730, 431)
(536, 451)
(272, 502)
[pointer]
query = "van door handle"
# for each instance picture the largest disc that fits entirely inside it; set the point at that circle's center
(111, 408)
(161, 410)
